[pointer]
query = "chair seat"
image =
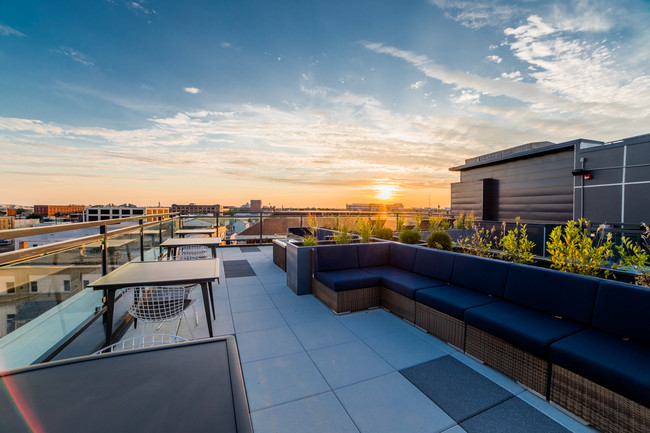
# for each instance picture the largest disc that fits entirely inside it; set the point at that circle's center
(403, 282)
(527, 329)
(347, 279)
(617, 364)
(453, 300)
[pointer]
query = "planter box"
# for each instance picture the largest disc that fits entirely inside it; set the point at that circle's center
(299, 268)
(280, 254)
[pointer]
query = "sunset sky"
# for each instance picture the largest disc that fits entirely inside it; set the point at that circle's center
(303, 102)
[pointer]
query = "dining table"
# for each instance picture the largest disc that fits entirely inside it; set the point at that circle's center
(194, 232)
(159, 273)
(173, 244)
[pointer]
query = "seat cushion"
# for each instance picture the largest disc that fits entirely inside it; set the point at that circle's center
(403, 282)
(527, 329)
(624, 310)
(335, 257)
(374, 254)
(622, 366)
(402, 256)
(432, 263)
(453, 300)
(481, 274)
(347, 279)
(557, 293)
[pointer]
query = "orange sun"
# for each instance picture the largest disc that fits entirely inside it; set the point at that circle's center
(385, 191)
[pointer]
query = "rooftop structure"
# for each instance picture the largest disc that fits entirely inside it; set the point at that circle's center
(48, 210)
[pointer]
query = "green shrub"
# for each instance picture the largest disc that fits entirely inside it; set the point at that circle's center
(410, 237)
(634, 256)
(459, 222)
(384, 233)
(482, 242)
(365, 228)
(572, 249)
(516, 246)
(439, 240)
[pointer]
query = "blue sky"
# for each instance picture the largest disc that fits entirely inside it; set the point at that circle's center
(313, 103)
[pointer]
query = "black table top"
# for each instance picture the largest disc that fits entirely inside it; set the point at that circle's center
(194, 387)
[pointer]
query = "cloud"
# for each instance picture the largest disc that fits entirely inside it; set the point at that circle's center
(514, 76)
(192, 90)
(140, 7)
(477, 14)
(8, 31)
(495, 59)
(76, 56)
(466, 97)
(225, 45)
(417, 85)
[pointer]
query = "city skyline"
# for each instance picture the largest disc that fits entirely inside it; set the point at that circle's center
(302, 103)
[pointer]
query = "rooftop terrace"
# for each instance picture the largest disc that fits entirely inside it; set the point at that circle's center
(307, 369)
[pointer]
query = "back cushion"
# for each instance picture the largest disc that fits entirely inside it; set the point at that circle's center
(558, 293)
(374, 254)
(335, 257)
(623, 310)
(402, 256)
(434, 263)
(478, 273)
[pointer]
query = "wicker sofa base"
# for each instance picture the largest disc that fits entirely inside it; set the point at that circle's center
(441, 325)
(606, 410)
(398, 304)
(346, 301)
(519, 364)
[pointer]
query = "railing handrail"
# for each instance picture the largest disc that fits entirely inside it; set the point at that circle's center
(30, 253)
(42, 230)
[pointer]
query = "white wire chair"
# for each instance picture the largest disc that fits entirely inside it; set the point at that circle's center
(157, 304)
(142, 341)
(193, 252)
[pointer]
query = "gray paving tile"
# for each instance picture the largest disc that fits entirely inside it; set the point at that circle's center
(512, 416)
(299, 314)
(322, 333)
(370, 323)
(321, 413)
(268, 343)
(404, 348)
(280, 380)
(392, 404)
(250, 303)
(257, 320)
(457, 389)
(345, 364)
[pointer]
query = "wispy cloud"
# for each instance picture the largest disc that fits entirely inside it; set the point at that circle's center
(225, 44)
(417, 85)
(76, 56)
(192, 90)
(140, 7)
(8, 31)
(495, 59)
(477, 14)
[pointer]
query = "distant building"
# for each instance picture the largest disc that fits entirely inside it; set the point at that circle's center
(196, 209)
(58, 210)
(6, 223)
(100, 213)
(374, 207)
(552, 183)
(256, 206)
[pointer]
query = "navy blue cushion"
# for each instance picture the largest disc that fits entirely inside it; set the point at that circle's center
(453, 300)
(478, 273)
(402, 256)
(403, 282)
(374, 254)
(527, 329)
(335, 257)
(558, 293)
(347, 279)
(434, 263)
(619, 365)
(624, 310)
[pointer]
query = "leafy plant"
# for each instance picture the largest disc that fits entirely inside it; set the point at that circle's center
(635, 256)
(439, 240)
(384, 233)
(343, 235)
(572, 249)
(459, 222)
(516, 246)
(482, 243)
(310, 239)
(365, 228)
(410, 236)
(400, 223)
(469, 220)
(418, 222)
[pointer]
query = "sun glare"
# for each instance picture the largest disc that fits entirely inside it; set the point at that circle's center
(385, 191)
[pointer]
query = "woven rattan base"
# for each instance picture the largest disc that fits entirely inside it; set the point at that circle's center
(398, 304)
(520, 365)
(346, 301)
(606, 410)
(441, 325)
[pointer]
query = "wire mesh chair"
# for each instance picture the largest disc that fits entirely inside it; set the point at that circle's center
(142, 341)
(157, 304)
(193, 252)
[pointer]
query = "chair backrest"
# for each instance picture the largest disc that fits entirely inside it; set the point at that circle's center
(193, 252)
(141, 342)
(155, 304)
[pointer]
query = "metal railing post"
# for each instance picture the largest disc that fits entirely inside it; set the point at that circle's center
(261, 227)
(102, 231)
(141, 223)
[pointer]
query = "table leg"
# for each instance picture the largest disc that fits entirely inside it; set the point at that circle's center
(108, 316)
(214, 316)
(206, 299)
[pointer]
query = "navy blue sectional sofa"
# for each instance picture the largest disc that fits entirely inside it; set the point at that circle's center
(582, 342)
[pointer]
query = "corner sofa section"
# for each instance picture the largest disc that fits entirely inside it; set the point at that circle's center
(581, 342)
